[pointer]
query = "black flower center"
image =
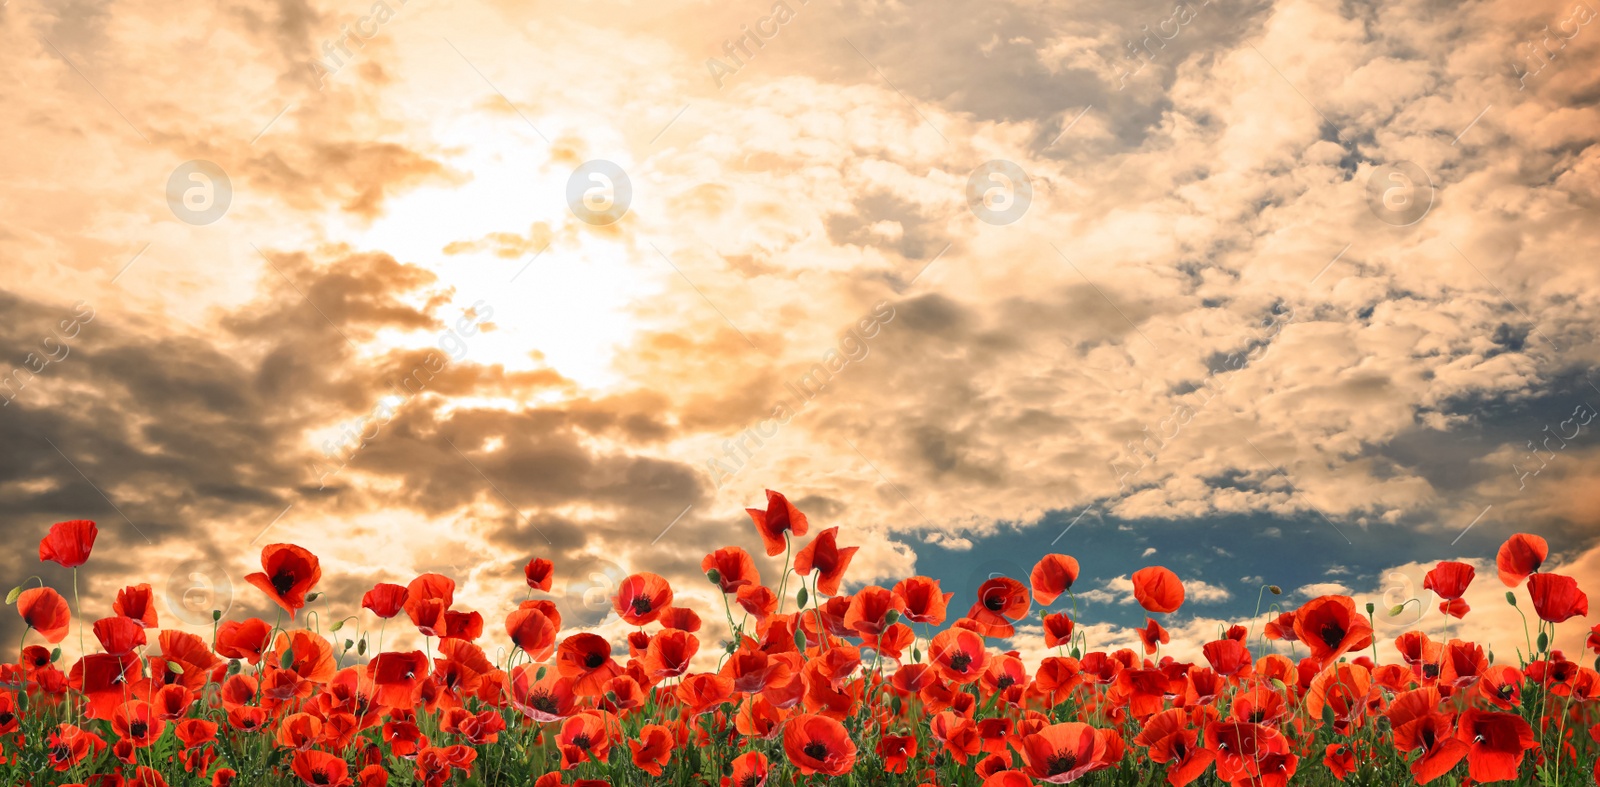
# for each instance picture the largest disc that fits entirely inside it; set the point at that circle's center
(994, 602)
(816, 750)
(283, 582)
(960, 662)
(1005, 682)
(641, 606)
(594, 660)
(1062, 763)
(581, 741)
(751, 780)
(1332, 634)
(544, 703)
(138, 729)
(1430, 670)
(320, 777)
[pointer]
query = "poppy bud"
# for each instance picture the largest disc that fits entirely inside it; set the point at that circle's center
(801, 597)
(313, 597)
(216, 615)
(175, 667)
(1395, 610)
(611, 697)
(1543, 641)
(348, 644)
(715, 576)
(892, 616)
(337, 624)
(233, 666)
(361, 647)
(800, 638)
(1370, 607)
(11, 598)
(1511, 599)
(537, 676)
(55, 655)
(916, 654)
(731, 647)
(288, 659)
(1276, 591)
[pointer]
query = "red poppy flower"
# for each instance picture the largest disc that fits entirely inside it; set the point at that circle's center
(641, 597)
(1331, 627)
(384, 600)
(69, 543)
(1157, 589)
(1052, 576)
(243, 639)
(897, 751)
(69, 745)
(1062, 753)
(1001, 600)
(137, 602)
(758, 600)
(1521, 555)
(1153, 636)
(540, 573)
(583, 737)
(136, 722)
(680, 618)
(46, 612)
(1228, 657)
(1455, 608)
(320, 769)
(586, 659)
(959, 654)
(749, 770)
(1057, 629)
(652, 749)
(1496, 743)
(1449, 579)
(1557, 598)
(870, 610)
(1282, 628)
(669, 654)
(734, 568)
(119, 635)
(288, 574)
(544, 699)
(1169, 739)
(397, 677)
(827, 558)
(428, 597)
(466, 626)
(703, 692)
(818, 744)
(532, 631)
(780, 515)
(924, 603)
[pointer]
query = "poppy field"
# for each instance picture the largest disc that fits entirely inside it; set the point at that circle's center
(899, 685)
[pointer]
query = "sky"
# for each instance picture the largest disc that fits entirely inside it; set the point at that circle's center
(1285, 293)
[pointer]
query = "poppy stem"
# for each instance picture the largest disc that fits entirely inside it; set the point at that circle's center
(783, 584)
